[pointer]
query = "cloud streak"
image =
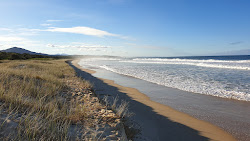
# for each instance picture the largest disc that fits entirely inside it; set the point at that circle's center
(45, 24)
(78, 46)
(10, 39)
(236, 43)
(82, 47)
(5, 29)
(83, 30)
(13, 32)
(54, 20)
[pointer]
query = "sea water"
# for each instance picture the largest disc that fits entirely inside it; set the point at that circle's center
(221, 76)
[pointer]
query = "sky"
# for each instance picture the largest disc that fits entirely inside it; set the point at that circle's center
(126, 27)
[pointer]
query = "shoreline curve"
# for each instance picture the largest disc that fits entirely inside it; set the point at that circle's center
(204, 128)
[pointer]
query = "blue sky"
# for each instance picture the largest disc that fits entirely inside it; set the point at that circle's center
(126, 27)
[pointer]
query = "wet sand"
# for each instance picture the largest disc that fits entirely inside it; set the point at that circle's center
(230, 115)
(157, 121)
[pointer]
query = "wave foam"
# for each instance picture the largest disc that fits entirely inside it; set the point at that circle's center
(215, 89)
(191, 60)
(240, 65)
(232, 84)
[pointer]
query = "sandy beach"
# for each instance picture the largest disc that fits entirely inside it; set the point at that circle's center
(157, 121)
(157, 70)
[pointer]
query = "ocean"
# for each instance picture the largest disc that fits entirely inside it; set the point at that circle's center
(221, 76)
(210, 88)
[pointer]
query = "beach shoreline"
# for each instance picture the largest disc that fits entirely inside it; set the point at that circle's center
(203, 128)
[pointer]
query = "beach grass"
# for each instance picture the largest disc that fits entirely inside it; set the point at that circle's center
(44, 100)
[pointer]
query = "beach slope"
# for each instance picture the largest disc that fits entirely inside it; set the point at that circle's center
(157, 121)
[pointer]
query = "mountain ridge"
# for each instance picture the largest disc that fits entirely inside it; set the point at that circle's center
(21, 51)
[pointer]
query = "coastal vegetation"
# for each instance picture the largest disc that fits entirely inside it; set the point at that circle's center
(45, 100)
(26, 56)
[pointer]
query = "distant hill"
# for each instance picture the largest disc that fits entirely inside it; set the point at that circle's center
(21, 51)
(16, 53)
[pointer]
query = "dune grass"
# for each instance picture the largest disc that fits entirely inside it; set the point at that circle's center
(34, 94)
(45, 100)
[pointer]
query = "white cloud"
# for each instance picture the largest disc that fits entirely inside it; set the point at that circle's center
(76, 30)
(54, 20)
(19, 32)
(76, 47)
(5, 29)
(83, 30)
(45, 24)
(10, 39)
(80, 46)
(29, 29)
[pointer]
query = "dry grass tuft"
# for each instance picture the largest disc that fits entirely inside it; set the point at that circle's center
(44, 100)
(131, 129)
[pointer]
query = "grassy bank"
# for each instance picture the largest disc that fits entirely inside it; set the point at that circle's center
(44, 100)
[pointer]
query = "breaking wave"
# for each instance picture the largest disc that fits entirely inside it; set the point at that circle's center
(221, 78)
(225, 64)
